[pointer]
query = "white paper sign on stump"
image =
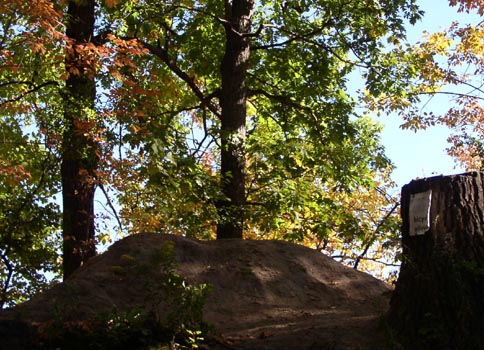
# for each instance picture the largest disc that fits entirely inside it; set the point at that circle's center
(419, 213)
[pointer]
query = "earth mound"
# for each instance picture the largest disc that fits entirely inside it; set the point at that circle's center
(265, 294)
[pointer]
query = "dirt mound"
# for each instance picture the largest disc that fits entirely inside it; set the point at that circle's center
(266, 294)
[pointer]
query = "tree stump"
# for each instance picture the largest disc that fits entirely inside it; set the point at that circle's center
(438, 301)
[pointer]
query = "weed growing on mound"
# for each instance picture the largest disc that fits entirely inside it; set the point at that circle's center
(171, 318)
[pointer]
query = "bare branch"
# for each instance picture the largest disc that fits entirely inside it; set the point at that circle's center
(110, 204)
(456, 94)
(385, 263)
(375, 232)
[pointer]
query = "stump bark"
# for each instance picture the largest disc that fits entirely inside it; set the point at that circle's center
(438, 301)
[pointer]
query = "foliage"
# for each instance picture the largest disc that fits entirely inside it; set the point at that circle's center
(446, 64)
(186, 301)
(316, 172)
(360, 227)
(145, 327)
(29, 217)
(29, 220)
(303, 136)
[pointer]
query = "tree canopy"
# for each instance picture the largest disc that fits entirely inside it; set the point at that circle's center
(448, 65)
(200, 118)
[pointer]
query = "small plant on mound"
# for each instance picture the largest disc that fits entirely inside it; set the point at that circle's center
(185, 316)
(115, 330)
(172, 317)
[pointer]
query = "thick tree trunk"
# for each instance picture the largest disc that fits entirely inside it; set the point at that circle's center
(439, 297)
(233, 119)
(79, 159)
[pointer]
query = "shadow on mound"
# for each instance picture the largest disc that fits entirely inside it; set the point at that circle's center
(264, 294)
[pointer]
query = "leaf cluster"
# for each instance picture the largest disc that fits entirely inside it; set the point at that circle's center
(29, 219)
(156, 120)
(445, 67)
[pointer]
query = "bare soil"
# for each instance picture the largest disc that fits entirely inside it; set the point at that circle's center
(266, 294)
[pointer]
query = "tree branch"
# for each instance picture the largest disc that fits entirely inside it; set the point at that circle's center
(293, 37)
(162, 53)
(288, 101)
(6, 284)
(375, 232)
(110, 204)
(366, 258)
(33, 88)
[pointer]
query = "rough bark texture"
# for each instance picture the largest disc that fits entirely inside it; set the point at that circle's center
(79, 159)
(439, 298)
(233, 119)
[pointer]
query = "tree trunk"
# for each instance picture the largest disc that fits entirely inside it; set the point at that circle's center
(233, 118)
(79, 158)
(438, 302)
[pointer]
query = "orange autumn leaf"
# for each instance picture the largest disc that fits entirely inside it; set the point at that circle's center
(110, 3)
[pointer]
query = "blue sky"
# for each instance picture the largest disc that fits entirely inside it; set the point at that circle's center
(422, 154)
